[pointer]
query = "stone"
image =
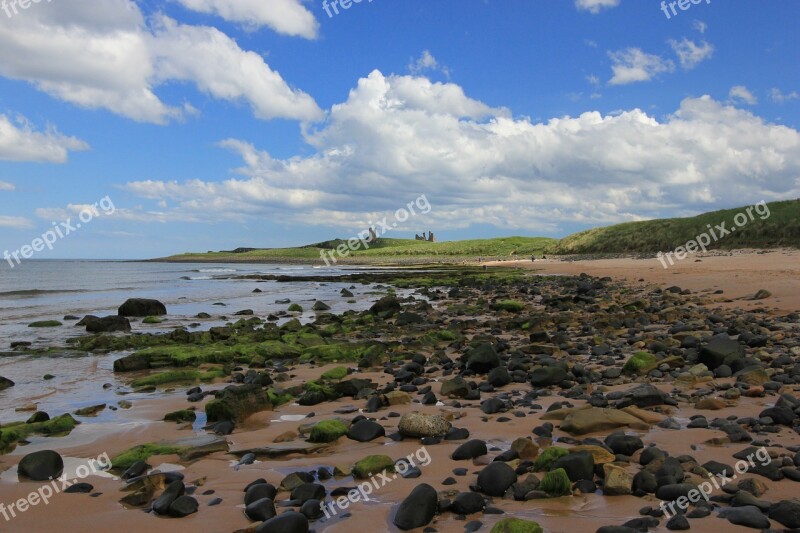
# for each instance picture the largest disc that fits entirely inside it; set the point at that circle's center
(578, 466)
(748, 516)
(183, 506)
(482, 359)
(556, 483)
(43, 465)
(516, 525)
(583, 421)
(371, 465)
(397, 398)
(173, 491)
(469, 450)
(786, 512)
(623, 444)
(721, 350)
(496, 479)
(141, 307)
(420, 425)
(618, 481)
(365, 430)
(456, 387)
(418, 508)
(108, 324)
(525, 449)
(289, 522)
(547, 376)
(386, 307)
(467, 503)
(259, 491)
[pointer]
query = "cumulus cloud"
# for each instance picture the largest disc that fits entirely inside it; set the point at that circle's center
(633, 65)
(396, 137)
(107, 56)
(595, 6)
(20, 141)
(699, 26)
(779, 97)
(742, 95)
(289, 17)
(6, 186)
(426, 62)
(691, 54)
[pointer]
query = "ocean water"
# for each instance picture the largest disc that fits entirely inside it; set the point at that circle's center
(50, 290)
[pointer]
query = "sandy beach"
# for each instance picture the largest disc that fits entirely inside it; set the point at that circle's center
(573, 322)
(739, 274)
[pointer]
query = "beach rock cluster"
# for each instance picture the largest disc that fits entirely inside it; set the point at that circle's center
(586, 375)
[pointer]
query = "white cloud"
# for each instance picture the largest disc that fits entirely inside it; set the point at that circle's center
(6, 186)
(633, 65)
(426, 62)
(21, 142)
(214, 62)
(595, 6)
(15, 222)
(691, 54)
(699, 26)
(288, 17)
(106, 56)
(397, 137)
(777, 96)
(742, 95)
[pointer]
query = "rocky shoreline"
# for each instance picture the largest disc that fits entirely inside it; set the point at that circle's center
(559, 403)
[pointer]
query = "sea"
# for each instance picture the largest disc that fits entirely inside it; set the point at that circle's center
(55, 289)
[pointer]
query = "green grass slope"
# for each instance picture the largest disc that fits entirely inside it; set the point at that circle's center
(390, 249)
(780, 229)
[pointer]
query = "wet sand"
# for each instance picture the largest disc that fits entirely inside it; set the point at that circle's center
(739, 274)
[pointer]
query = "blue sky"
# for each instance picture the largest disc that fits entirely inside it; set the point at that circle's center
(212, 124)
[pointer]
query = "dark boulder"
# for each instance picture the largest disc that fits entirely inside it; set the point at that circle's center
(548, 375)
(365, 430)
(386, 307)
(41, 466)
(468, 503)
(578, 466)
(260, 510)
(495, 479)
(182, 506)
(108, 324)
(173, 491)
(470, 450)
(132, 363)
(290, 522)
(482, 359)
(721, 350)
(5, 383)
(141, 307)
(418, 509)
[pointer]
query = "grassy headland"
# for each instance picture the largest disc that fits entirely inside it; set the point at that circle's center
(780, 229)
